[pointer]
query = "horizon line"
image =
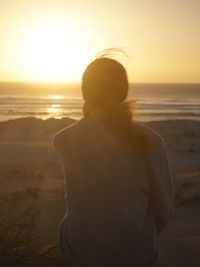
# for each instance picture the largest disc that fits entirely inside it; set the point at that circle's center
(48, 82)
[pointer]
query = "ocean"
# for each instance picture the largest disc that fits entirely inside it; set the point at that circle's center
(153, 101)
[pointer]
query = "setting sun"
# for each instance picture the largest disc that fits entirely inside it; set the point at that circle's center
(54, 51)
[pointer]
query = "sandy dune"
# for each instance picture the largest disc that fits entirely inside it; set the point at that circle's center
(30, 169)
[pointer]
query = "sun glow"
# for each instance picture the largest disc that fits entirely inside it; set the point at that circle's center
(55, 97)
(54, 51)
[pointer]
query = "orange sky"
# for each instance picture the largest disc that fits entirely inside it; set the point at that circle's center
(54, 40)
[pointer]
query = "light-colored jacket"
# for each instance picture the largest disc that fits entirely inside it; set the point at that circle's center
(117, 204)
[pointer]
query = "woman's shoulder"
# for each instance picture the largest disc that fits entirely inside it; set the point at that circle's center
(153, 136)
(157, 143)
(68, 132)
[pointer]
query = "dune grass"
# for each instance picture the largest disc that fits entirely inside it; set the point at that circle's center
(24, 243)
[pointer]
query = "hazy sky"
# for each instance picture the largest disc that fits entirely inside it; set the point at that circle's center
(44, 40)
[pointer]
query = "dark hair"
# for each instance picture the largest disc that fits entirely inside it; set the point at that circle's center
(105, 88)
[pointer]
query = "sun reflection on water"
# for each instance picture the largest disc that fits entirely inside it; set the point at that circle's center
(54, 109)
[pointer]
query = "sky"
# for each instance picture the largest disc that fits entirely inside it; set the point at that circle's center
(54, 40)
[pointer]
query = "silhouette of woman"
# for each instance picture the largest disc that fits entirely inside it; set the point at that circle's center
(119, 190)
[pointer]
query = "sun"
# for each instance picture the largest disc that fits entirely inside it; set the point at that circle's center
(55, 51)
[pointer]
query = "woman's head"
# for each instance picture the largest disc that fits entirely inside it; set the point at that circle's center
(104, 89)
(104, 81)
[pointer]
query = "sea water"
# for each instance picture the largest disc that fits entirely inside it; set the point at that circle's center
(152, 101)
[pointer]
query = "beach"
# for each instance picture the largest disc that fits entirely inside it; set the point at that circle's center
(63, 60)
(31, 177)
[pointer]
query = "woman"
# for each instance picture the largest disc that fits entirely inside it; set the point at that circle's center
(119, 190)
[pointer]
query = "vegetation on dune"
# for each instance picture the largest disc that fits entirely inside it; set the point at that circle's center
(24, 243)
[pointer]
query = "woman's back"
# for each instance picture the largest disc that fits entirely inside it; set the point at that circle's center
(108, 193)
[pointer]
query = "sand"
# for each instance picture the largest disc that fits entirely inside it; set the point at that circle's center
(31, 176)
